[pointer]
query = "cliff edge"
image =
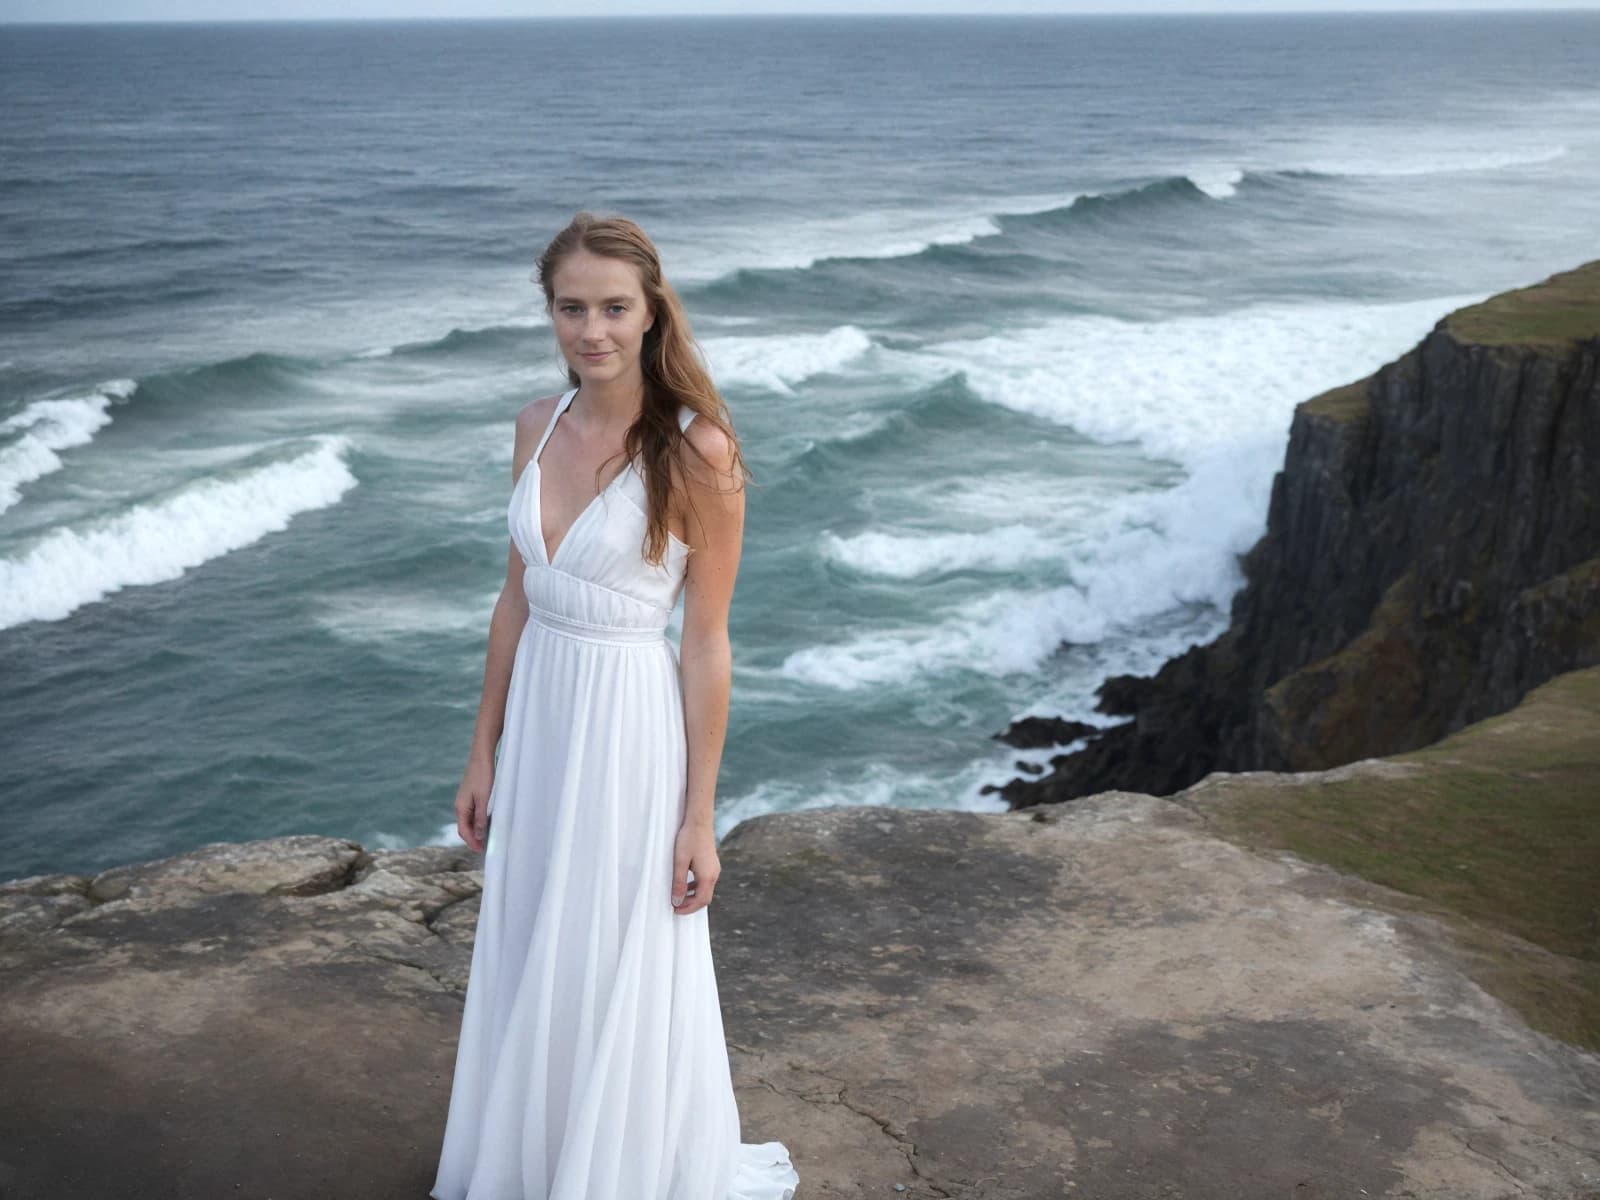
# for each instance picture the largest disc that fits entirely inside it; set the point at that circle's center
(1123, 998)
(1432, 552)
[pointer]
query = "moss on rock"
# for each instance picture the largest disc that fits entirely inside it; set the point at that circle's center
(1346, 403)
(1496, 829)
(1562, 309)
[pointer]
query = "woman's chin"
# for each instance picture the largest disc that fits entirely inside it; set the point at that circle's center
(604, 371)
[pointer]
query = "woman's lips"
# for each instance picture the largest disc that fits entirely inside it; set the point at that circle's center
(597, 357)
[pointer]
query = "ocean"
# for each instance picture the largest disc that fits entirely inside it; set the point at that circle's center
(1011, 314)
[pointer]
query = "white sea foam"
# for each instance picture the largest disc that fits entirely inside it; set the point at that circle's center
(388, 617)
(151, 543)
(1184, 387)
(444, 836)
(908, 555)
(1003, 633)
(877, 785)
(521, 319)
(1178, 547)
(1070, 695)
(1218, 182)
(46, 426)
(797, 244)
(1212, 393)
(1078, 506)
(1426, 160)
(447, 836)
(1013, 632)
(778, 363)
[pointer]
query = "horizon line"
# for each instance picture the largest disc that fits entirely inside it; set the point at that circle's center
(1445, 8)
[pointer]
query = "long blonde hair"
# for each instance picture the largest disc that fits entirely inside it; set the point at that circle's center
(673, 372)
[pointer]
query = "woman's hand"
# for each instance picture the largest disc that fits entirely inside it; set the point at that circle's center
(696, 849)
(472, 805)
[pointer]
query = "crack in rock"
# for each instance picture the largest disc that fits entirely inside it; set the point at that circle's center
(906, 1147)
(448, 983)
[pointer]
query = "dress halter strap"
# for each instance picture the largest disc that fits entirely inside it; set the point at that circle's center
(550, 427)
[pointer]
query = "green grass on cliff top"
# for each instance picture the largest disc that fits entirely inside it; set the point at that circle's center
(1564, 308)
(1553, 314)
(1341, 403)
(1498, 834)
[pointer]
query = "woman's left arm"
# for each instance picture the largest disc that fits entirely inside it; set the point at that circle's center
(714, 520)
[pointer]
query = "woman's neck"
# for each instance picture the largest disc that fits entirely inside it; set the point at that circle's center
(612, 404)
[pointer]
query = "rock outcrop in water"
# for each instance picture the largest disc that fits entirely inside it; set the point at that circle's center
(1432, 552)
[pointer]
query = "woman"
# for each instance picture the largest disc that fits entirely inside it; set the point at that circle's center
(591, 1063)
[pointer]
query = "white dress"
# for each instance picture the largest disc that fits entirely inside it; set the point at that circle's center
(592, 1063)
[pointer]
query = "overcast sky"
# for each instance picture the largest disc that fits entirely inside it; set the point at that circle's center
(211, 10)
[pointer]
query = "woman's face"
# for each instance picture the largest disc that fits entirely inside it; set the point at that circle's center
(600, 316)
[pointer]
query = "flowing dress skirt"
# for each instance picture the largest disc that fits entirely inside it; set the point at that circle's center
(592, 1063)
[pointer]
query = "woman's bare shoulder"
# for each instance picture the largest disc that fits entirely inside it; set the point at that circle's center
(712, 467)
(535, 415)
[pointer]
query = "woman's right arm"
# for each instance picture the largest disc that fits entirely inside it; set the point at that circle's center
(505, 628)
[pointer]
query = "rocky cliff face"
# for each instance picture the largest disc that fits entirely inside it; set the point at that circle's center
(1432, 552)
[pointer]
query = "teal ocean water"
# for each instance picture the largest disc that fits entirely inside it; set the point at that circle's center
(1011, 315)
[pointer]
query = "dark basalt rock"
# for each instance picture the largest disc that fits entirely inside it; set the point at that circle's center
(1035, 733)
(1432, 553)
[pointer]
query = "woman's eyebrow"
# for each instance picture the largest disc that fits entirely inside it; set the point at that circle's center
(579, 300)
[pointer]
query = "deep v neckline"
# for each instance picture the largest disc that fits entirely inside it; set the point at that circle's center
(538, 489)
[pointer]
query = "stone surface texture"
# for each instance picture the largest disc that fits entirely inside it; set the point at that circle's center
(1101, 1000)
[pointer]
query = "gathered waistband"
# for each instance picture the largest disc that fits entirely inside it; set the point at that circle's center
(614, 635)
